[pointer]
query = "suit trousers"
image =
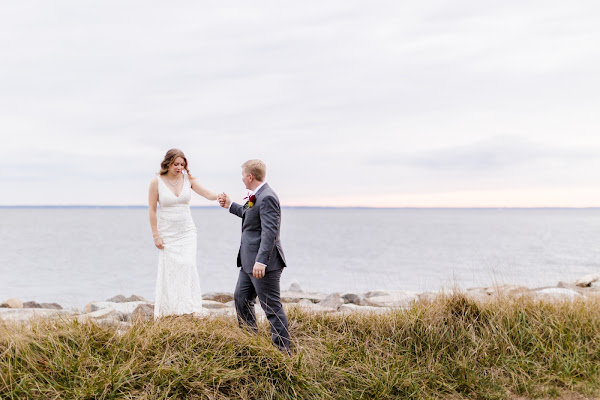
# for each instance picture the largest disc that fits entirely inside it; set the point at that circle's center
(268, 292)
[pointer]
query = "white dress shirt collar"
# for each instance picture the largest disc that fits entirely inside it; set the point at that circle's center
(258, 188)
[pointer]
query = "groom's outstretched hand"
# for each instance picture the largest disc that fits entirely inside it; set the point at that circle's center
(224, 200)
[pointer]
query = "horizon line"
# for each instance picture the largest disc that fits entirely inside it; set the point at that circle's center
(308, 207)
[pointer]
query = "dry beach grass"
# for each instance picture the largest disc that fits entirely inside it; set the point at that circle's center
(450, 347)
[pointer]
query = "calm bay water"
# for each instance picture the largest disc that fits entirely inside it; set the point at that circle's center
(76, 255)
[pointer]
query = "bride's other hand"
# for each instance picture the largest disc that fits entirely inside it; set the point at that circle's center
(158, 242)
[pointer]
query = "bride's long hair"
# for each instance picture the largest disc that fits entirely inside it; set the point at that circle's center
(170, 159)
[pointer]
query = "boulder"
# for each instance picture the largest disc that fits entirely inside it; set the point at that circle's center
(507, 289)
(221, 297)
(305, 303)
(51, 306)
(574, 287)
(394, 299)
(358, 299)
(557, 293)
(308, 306)
(118, 299)
(587, 280)
(97, 315)
(88, 307)
(25, 314)
(122, 299)
(294, 297)
(125, 307)
(333, 301)
(352, 298)
(350, 308)
(143, 312)
(212, 305)
(13, 303)
(135, 297)
(295, 287)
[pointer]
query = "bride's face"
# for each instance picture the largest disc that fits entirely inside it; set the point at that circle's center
(177, 167)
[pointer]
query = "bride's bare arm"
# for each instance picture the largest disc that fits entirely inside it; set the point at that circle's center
(152, 202)
(202, 191)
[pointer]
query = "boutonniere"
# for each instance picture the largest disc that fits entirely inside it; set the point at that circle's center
(251, 201)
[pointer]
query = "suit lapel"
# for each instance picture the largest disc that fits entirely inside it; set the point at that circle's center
(245, 209)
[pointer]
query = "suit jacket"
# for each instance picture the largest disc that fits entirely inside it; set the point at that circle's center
(260, 231)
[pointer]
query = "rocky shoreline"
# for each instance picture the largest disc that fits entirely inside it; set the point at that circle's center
(121, 311)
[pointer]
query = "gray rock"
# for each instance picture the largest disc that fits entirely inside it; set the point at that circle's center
(96, 315)
(118, 299)
(135, 297)
(557, 293)
(333, 301)
(394, 299)
(350, 308)
(143, 312)
(358, 299)
(212, 305)
(586, 281)
(32, 304)
(125, 307)
(308, 306)
(122, 299)
(123, 317)
(51, 306)
(507, 289)
(25, 314)
(14, 303)
(295, 287)
(230, 303)
(294, 297)
(88, 307)
(221, 297)
(305, 302)
(352, 298)
(572, 286)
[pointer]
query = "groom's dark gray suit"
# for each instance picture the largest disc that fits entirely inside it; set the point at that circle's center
(260, 243)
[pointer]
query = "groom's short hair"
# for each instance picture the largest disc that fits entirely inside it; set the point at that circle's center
(256, 168)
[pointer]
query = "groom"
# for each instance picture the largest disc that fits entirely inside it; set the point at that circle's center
(260, 256)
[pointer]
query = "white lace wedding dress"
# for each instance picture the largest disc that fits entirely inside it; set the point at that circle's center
(178, 283)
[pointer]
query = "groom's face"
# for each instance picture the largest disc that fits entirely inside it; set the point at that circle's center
(247, 179)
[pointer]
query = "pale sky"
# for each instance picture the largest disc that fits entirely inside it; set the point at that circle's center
(350, 103)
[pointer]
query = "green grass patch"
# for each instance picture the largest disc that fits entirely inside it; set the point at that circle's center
(453, 347)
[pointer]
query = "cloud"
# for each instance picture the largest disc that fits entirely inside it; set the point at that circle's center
(396, 96)
(496, 154)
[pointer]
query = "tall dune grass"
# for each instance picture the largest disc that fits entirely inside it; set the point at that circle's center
(452, 347)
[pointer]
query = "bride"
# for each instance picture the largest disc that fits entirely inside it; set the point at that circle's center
(178, 283)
